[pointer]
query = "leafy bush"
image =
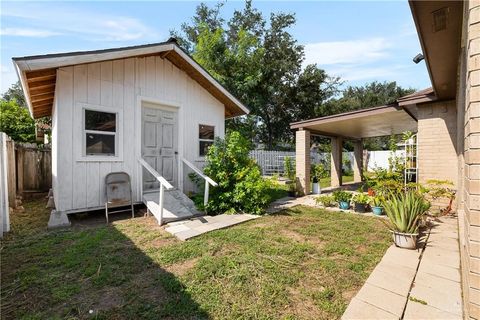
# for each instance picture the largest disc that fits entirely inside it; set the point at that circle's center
(326, 200)
(361, 198)
(404, 211)
(16, 122)
(241, 187)
(342, 196)
(289, 172)
(318, 171)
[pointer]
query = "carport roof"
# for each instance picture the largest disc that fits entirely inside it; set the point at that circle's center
(365, 123)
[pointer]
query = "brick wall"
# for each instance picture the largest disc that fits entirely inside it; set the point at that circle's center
(437, 136)
(469, 108)
(302, 161)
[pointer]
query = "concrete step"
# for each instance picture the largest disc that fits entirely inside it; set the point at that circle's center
(176, 206)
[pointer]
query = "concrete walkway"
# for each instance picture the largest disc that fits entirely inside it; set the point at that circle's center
(415, 284)
(187, 229)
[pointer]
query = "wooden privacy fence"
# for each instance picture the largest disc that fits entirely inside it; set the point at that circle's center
(29, 169)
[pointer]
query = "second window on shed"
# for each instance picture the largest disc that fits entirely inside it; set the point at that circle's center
(206, 136)
(100, 133)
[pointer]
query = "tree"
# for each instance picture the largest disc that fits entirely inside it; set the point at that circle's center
(15, 92)
(16, 122)
(15, 95)
(261, 64)
(372, 94)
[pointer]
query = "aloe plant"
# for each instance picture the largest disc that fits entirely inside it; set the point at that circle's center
(404, 211)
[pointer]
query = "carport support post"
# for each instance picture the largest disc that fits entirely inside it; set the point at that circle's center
(357, 161)
(302, 161)
(336, 162)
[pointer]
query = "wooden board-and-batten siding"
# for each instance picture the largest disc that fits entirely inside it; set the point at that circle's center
(119, 86)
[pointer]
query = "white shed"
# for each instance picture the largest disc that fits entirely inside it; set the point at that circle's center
(133, 109)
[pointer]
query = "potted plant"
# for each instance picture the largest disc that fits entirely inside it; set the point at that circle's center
(342, 198)
(405, 211)
(325, 200)
(361, 201)
(377, 205)
(316, 172)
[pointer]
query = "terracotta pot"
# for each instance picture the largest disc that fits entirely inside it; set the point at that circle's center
(371, 192)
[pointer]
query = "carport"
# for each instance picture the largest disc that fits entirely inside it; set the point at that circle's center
(355, 126)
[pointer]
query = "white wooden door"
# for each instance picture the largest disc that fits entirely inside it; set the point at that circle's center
(159, 145)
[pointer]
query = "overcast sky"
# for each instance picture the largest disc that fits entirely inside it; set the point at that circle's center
(358, 41)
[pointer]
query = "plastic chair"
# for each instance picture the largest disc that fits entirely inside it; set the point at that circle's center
(118, 192)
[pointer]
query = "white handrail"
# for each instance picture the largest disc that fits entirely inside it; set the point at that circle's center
(208, 180)
(164, 184)
(157, 175)
(199, 172)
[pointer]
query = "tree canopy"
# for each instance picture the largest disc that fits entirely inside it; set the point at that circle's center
(16, 122)
(260, 62)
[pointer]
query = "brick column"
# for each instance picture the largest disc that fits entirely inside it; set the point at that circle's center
(357, 161)
(470, 216)
(336, 162)
(302, 161)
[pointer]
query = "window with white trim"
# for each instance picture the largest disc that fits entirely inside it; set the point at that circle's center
(206, 136)
(100, 133)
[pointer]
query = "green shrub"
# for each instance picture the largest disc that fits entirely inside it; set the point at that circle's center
(318, 171)
(404, 211)
(241, 187)
(342, 196)
(326, 200)
(361, 198)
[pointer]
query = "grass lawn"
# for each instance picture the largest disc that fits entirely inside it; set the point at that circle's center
(325, 182)
(301, 263)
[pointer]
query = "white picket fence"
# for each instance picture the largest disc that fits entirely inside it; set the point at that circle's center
(272, 162)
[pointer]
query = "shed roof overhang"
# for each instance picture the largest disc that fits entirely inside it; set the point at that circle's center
(38, 73)
(365, 123)
(439, 25)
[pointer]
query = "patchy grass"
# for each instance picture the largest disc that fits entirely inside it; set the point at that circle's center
(325, 182)
(301, 263)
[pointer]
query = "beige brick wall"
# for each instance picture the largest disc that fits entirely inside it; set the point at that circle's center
(469, 184)
(437, 136)
(302, 161)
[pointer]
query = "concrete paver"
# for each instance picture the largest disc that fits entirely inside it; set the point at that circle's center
(359, 310)
(187, 229)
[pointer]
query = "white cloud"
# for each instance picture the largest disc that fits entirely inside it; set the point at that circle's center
(347, 52)
(70, 20)
(27, 32)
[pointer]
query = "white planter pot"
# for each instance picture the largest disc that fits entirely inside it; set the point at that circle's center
(316, 188)
(405, 240)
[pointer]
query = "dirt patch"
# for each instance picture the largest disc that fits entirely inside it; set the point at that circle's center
(293, 235)
(349, 294)
(183, 267)
(302, 306)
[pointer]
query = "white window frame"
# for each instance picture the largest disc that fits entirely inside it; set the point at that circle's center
(205, 140)
(83, 156)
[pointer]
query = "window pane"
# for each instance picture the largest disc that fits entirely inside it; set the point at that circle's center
(204, 145)
(100, 144)
(100, 121)
(206, 132)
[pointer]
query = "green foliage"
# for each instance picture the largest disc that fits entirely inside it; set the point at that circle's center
(260, 62)
(378, 200)
(361, 198)
(241, 187)
(16, 122)
(317, 172)
(404, 211)
(326, 200)
(342, 196)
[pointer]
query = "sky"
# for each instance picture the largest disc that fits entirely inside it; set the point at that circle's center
(359, 41)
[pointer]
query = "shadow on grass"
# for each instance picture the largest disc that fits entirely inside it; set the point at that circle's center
(93, 272)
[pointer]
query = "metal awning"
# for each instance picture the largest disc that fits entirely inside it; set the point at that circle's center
(365, 123)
